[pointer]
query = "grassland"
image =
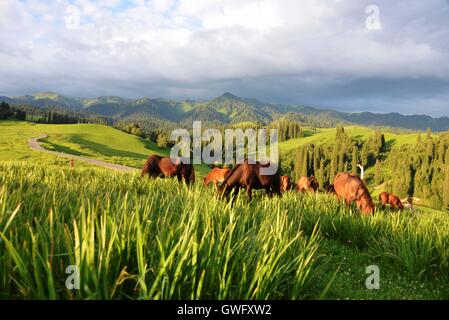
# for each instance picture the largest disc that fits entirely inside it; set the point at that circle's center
(327, 135)
(108, 144)
(158, 239)
(87, 140)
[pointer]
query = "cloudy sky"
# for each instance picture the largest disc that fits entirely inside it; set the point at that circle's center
(343, 54)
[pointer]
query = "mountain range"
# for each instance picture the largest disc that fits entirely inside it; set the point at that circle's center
(226, 108)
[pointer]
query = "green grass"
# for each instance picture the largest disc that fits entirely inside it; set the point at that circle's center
(327, 135)
(186, 106)
(112, 145)
(88, 140)
(158, 239)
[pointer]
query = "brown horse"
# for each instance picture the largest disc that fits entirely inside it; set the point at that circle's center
(216, 175)
(305, 184)
(249, 176)
(351, 188)
(387, 198)
(285, 184)
(157, 166)
(383, 199)
(330, 189)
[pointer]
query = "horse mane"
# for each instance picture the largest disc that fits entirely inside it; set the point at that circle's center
(150, 165)
(230, 172)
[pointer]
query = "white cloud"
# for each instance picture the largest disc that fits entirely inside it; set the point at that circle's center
(72, 17)
(185, 46)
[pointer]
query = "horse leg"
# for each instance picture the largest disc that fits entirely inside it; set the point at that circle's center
(275, 187)
(236, 193)
(248, 190)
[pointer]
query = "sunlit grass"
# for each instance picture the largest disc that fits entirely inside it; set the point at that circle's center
(157, 239)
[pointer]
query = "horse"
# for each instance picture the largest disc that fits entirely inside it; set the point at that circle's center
(351, 188)
(158, 166)
(330, 189)
(249, 176)
(395, 202)
(305, 184)
(387, 198)
(216, 175)
(383, 199)
(285, 184)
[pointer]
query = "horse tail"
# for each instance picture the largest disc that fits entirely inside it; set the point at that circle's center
(145, 168)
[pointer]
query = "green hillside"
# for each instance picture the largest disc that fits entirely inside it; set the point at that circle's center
(88, 140)
(327, 135)
(109, 144)
(226, 108)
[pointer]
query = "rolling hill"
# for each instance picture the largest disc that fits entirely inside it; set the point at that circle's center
(87, 140)
(328, 135)
(226, 109)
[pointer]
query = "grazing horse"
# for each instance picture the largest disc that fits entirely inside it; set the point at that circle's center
(383, 199)
(305, 184)
(387, 198)
(285, 184)
(249, 176)
(216, 175)
(330, 189)
(157, 166)
(351, 188)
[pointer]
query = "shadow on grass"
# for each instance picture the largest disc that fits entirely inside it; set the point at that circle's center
(309, 133)
(58, 148)
(106, 150)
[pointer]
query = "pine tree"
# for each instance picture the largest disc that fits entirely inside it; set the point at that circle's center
(429, 134)
(378, 178)
(354, 160)
(305, 162)
(298, 163)
(446, 187)
(419, 139)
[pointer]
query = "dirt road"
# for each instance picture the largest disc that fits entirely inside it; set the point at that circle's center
(35, 145)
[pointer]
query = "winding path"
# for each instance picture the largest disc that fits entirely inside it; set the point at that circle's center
(35, 145)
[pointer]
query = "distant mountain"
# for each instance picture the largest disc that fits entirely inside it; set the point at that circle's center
(49, 98)
(226, 108)
(421, 122)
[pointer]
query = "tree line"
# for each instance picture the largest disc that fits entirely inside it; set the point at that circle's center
(419, 170)
(48, 114)
(325, 161)
(6, 112)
